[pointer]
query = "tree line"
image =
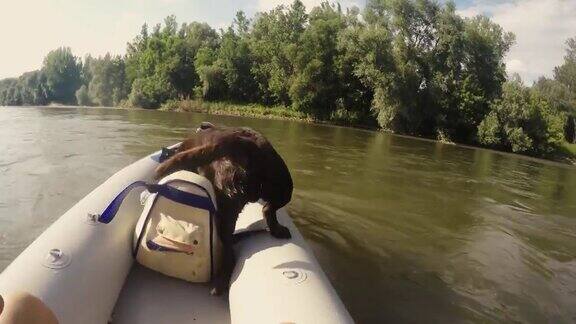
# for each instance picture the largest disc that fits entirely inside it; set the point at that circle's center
(409, 66)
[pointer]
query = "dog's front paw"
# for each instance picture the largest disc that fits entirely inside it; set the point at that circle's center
(215, 291)
(219, 287)
(280, 232)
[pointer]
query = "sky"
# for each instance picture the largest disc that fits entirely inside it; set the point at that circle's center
(29, 29)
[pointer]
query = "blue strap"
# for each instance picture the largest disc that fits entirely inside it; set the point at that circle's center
(163, 190)
(183, 197)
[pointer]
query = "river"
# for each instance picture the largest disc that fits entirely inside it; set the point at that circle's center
(407, 230)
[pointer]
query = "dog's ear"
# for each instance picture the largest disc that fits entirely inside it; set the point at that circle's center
(204, 126)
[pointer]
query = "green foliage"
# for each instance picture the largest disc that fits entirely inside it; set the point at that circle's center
(62, 72)
(226, 72)
(522, 121)
(29, 89)
(274, 35)
(107, 80)
(167, 57)
(571, 148)
(562, 90)
(10, 92)
(315, 87)
(235, 62)
(432, 72)
(151, 92)
(566, 73)
(213, 82)
(82, 96)
(557, 94)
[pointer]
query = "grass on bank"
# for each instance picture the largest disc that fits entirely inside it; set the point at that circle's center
(340, 117)
(570, 151)
(229, 108)
(571, 148)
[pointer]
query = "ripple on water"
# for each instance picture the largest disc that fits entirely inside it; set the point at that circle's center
(20, 159)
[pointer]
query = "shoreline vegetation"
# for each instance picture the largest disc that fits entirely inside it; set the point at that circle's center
(235, 109)
(566, 154)
(409, 67)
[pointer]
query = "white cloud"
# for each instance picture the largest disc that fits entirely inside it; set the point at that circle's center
(541, 28)
(515, 66)
(24, 42)
(30, 29)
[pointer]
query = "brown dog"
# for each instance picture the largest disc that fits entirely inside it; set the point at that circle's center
(243, 167)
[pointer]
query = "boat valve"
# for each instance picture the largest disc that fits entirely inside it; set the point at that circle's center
(295, 276)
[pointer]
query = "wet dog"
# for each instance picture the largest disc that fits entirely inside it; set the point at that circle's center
(243, 167)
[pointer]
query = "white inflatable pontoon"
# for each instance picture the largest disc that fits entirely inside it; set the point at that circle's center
(84, 272)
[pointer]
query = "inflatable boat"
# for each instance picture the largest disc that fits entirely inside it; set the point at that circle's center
(83, 271)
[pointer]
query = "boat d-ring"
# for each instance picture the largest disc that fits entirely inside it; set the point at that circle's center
(92, 218)
(56, 259)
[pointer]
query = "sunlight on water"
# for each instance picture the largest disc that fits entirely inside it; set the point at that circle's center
(407, 230)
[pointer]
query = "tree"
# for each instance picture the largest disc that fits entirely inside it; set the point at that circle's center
(28, 89)
(166, 56)
(107, 86)
(565, 74)
(86, 73)
(522, 121)
(314, 84)
(62, 71)
(562, 100)
(470, 71)
(33, 88)
(9, 92)
(194, 36)
(235, 62)
(403, 98)
(151, 92)
(353, 104)
(241, 23)
(274, 33)
(432, 72)
(82, 97)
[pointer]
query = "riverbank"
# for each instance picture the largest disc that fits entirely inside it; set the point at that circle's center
(570, 152)
(565, 154)
(234, 109)
(339, 118)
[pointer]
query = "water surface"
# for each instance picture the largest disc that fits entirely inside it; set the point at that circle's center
(407, 230)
